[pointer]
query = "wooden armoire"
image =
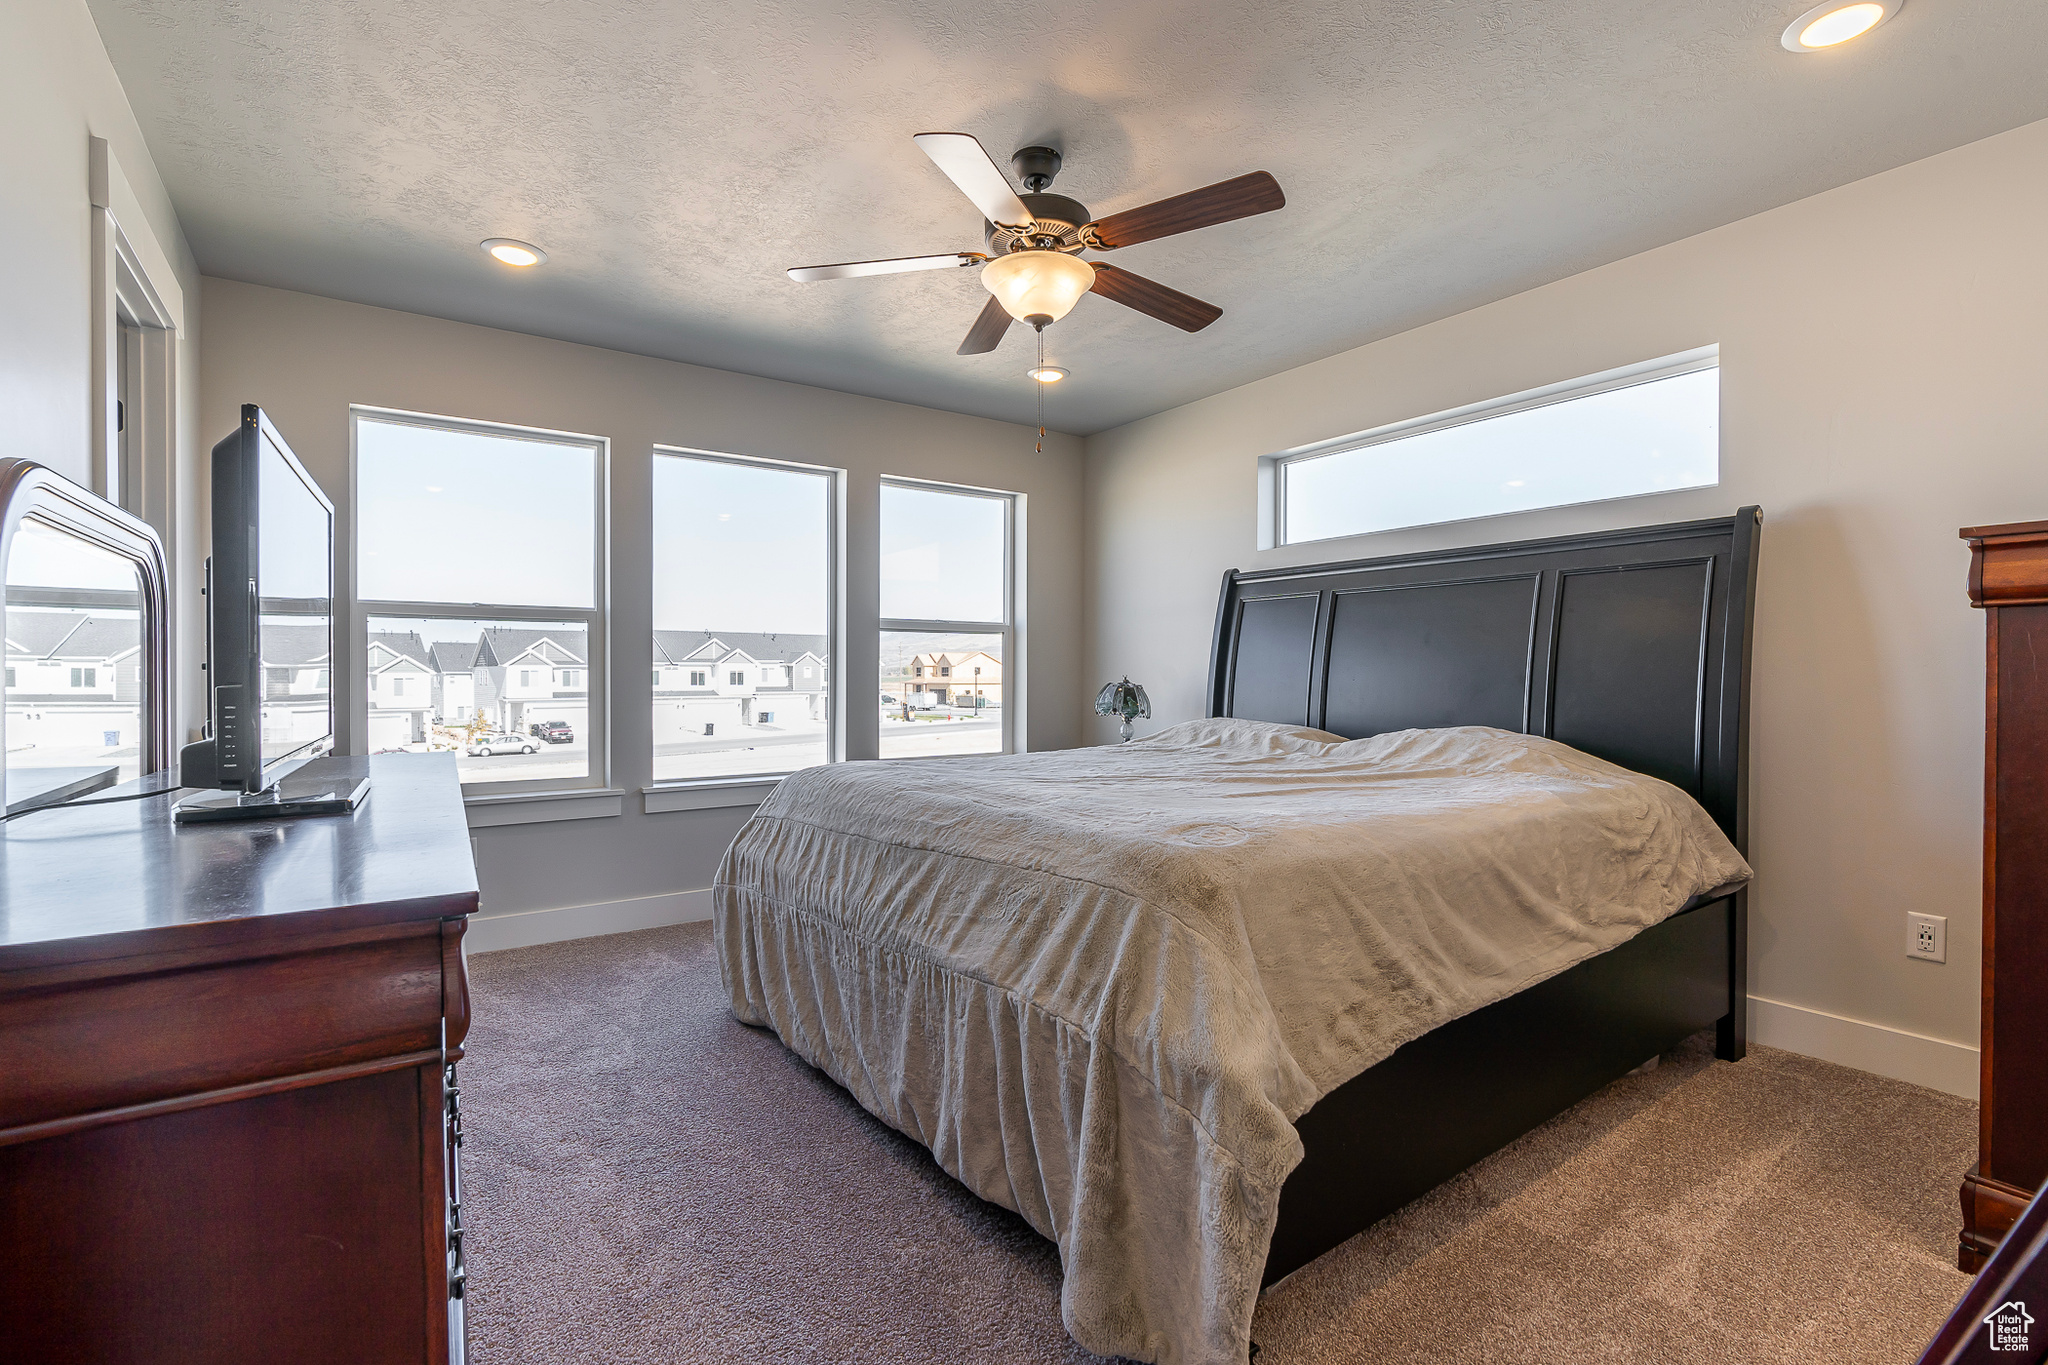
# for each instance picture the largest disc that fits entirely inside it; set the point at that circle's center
(2009, 579)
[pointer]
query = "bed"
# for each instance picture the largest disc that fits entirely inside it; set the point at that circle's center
(1153, 999)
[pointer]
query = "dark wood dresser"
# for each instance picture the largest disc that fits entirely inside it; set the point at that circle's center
(228, 1125)
(2009, 579)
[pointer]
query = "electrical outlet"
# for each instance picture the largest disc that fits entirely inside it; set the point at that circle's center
(1927, 937)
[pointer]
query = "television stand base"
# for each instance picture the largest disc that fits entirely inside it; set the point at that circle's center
(322, 787)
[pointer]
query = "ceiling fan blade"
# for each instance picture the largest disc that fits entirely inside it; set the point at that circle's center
(987, 330)
(970, 167)
(806, 274)
(1153, 299)
(1222, 202)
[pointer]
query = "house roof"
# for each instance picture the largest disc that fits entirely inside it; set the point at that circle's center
(71, 635)
(452, 656)
(705, 646)
(497, 647)
(404, 644)
(293, 646)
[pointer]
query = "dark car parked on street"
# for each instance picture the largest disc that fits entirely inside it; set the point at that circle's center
(553, 731)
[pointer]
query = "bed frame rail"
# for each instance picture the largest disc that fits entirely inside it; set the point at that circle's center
(1467, 1089)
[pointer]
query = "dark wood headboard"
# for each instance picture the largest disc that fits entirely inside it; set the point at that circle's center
(1631, 645)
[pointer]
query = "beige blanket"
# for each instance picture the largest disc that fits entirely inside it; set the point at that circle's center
(1100, 984)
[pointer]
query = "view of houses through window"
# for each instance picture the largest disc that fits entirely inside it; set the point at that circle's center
(743, 605)
(945, 619)
(483, 622)
(489, 690)
(74, 652)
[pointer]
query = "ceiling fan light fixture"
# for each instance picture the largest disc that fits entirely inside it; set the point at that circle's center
(509, 251)
(1038, 287)
(1830, 25)
(1047, 374)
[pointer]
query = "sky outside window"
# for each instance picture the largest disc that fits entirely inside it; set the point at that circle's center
(455, 516)
(942, 555)
(1653, 437)
(740, 546)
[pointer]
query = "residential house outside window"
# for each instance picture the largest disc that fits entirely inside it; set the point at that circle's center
(948, 619)
(745, 591)
(479, 592)
(74, 651)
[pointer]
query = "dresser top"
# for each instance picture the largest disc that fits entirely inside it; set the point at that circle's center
(2010, 528)
(95, 882)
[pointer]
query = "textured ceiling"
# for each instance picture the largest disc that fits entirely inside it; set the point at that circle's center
(673, 158)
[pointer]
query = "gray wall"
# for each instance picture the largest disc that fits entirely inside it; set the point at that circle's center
(57, 92)
(1884, 382)
(306, 359)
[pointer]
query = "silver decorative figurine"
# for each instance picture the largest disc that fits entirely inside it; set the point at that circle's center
(1125, 699)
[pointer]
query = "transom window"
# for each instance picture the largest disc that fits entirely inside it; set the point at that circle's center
(1649, 428)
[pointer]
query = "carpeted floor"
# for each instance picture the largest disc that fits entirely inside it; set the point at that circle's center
(648, 1180)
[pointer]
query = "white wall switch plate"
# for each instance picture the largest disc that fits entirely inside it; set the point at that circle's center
(1927, 937)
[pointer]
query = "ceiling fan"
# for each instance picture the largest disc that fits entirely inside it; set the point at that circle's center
(1033, 268)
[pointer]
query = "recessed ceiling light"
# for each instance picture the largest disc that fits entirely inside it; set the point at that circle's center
(510, 252)
(1835, 23)
(1047, 374)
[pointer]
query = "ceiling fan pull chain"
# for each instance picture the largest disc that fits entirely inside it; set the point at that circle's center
(1040, 449)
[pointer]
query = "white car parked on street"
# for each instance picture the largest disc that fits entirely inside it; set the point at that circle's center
(488, 745)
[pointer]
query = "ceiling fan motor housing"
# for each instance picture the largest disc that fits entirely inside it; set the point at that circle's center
(1056, 226)
(1035, 167)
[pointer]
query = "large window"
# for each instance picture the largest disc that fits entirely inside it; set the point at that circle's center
(744, 590)
(479, 583)
(948, 591)
(1651, 428)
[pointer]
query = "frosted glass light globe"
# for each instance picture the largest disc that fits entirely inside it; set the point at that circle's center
(1038, 284)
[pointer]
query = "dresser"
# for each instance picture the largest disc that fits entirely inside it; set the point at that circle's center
(229, 1129)
(2009, 580)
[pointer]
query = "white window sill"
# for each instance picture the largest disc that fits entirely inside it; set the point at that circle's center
(719, 793)
(532, 808)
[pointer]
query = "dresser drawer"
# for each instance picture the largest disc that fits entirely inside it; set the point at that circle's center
(121, 1040)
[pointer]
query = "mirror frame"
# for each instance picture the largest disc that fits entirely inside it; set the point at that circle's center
(28, 488)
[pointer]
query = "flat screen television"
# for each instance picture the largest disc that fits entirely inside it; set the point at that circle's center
(269, 624)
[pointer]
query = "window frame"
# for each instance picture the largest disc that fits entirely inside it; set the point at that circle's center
(1273, 468)
(835, 618)
(1009, 630)
(594, 619)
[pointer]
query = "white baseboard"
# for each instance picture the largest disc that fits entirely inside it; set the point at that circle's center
(1903, 1056)
(490, 933)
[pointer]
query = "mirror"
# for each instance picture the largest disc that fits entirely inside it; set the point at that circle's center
(86, 675)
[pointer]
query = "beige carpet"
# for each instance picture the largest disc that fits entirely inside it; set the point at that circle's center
(650, 1181)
